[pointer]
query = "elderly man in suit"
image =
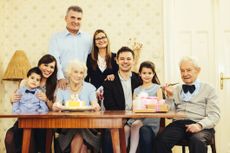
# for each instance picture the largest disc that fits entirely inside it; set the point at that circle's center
(199, 102)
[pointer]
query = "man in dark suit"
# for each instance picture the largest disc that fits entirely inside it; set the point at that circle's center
(118, 94)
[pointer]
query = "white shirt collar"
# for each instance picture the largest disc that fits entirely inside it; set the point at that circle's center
(67, 33)
(122, 77)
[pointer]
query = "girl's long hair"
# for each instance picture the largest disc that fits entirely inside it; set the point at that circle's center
(150, 65)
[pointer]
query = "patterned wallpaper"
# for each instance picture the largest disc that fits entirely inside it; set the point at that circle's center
(28, 25)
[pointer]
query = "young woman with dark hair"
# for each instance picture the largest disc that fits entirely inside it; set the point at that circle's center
(13, 139)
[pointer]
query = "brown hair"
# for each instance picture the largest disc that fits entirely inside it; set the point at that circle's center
(125, 49)
(95, 51)
(150, 65)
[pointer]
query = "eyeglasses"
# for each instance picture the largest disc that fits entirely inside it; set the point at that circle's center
(100, 38)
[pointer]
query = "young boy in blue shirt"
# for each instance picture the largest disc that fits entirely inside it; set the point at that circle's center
(29, 103)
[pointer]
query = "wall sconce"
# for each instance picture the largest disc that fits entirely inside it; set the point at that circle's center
(17, 67)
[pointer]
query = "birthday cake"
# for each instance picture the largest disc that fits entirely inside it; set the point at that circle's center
(149, 104)
(75, 104)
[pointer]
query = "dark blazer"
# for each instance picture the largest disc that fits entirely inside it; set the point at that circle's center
(96, 77)
(114, 98)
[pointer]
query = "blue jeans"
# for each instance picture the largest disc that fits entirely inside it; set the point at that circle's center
(147, 138)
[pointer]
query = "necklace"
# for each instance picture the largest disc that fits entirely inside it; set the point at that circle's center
(75, 89)
(101, 63)
(75, 92)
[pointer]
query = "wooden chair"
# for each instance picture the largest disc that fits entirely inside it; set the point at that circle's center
(162, 125)
(212, 143)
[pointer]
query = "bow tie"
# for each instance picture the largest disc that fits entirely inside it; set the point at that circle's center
(29, 91)
(188, 88)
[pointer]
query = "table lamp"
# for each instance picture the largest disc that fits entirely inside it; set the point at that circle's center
(18, 67)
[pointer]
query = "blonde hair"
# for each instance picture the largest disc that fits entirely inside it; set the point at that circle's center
(75, 64)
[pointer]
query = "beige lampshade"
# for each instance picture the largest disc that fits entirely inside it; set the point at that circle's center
(17, 67)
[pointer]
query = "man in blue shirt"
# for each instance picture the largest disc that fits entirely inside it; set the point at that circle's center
(70, 44)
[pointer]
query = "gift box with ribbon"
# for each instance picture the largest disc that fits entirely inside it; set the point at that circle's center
(149, 104)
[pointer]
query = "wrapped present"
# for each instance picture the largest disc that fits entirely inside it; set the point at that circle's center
(157, 107)
(149, 104)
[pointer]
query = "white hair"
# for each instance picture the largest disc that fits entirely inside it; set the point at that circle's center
(75, 64)
(193, 60)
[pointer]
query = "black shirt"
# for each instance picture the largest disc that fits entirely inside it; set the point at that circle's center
(97, 77)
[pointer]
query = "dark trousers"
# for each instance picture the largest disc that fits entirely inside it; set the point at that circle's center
(147, 137)
(13, 140)
(106, 141)
(176, 131)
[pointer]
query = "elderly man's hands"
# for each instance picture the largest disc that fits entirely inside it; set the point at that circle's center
(168, 90)
(193, 128)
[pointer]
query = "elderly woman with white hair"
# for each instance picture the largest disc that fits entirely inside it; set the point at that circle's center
(77, 87)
